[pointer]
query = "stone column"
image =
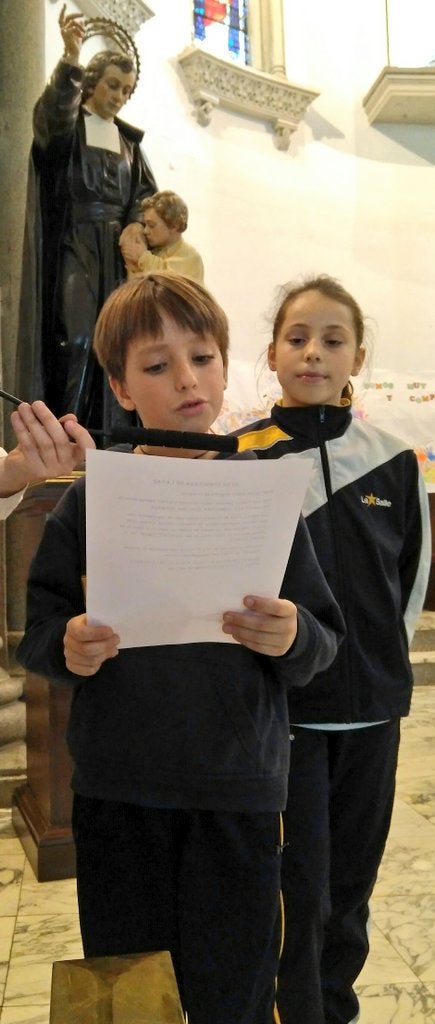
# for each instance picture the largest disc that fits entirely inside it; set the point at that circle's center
(22, 73)
(3, 626)
(272, 36)
(22, 76)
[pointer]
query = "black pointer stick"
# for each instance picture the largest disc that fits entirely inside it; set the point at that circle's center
(159, 438)
(171, 438)
(11, 398)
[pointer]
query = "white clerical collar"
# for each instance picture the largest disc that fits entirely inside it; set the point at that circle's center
(101, 133)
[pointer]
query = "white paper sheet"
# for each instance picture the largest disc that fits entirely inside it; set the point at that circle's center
(173, 543)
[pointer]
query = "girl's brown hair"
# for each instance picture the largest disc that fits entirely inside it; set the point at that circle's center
(331, 289)
(137, 307)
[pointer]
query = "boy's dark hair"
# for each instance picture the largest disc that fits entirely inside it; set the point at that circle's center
(331, 288)
(170, 207)
(137, 308)
(97, 66)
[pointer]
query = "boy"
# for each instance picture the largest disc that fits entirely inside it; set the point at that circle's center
(180, 752)
(161, 246)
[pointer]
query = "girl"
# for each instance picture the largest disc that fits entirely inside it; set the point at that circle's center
(367, 512)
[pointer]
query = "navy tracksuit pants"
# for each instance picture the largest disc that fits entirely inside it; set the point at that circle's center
(341, 792)
(203, 885)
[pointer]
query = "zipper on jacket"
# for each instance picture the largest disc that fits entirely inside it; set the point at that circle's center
(341, 574)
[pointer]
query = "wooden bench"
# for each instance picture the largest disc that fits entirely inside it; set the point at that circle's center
(139, 989)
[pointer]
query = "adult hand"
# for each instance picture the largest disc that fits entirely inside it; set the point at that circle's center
(268, 626)
(72, 32)
(47, 447)
(132, 242)
(87, 647)
(132, 250)
(134, 230)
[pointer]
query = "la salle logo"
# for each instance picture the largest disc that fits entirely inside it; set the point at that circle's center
(371, 499)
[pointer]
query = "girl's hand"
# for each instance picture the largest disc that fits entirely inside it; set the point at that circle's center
(268, 626)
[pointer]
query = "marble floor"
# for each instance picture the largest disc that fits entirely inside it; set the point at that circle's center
(39, 924)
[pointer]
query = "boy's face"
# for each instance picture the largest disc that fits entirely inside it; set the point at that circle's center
(175, 382)
(157, 233)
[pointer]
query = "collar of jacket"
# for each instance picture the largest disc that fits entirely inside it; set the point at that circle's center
(308, 422)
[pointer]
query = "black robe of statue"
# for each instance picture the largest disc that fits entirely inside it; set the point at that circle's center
(80, 198)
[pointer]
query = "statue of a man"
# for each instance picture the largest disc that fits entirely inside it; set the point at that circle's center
(87, 182)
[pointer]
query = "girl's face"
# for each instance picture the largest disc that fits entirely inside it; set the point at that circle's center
(175, 382)
(316, 351)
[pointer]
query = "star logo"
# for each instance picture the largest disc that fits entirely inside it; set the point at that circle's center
(371, 499)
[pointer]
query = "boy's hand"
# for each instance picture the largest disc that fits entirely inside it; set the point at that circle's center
(268, 627)
(86, 647)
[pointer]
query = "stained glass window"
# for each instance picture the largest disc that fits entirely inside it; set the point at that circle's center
(223, 28)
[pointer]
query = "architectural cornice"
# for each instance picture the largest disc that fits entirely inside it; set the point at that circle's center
(402, 95)
(212, 82)
(129, 14)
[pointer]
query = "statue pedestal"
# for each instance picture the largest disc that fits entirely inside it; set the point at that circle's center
(135, 989)
(41, 810)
